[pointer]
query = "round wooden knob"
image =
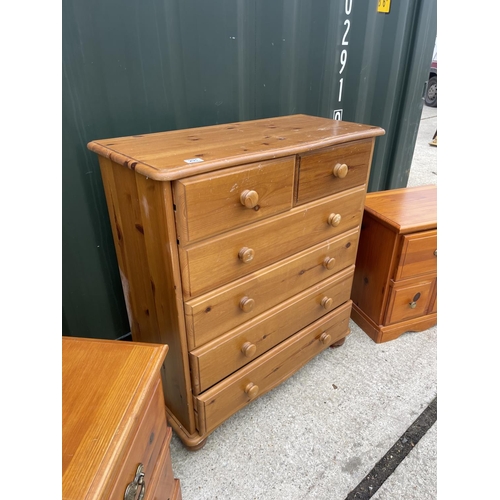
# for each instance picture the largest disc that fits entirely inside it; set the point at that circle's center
(325, 338)
(334, 219)
(246, 304)
(329, 263)
(249, 198)
(252, 390)
(327, 302)
(246, 254)
(248, 349)
(340, 170)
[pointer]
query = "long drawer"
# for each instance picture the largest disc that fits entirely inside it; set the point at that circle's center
(209, 204)
(224, 355)
(215, 313)
(221, 401)
(215, 262)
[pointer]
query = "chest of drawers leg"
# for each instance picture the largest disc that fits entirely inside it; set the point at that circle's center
(236, 247)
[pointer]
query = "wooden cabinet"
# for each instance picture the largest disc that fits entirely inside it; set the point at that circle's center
(236, 245)
(395, 281)
(115, 435)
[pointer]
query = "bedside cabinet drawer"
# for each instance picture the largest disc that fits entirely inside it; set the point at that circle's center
(212, 203)
(418, 255)
(224, 355)
(331, 170)
(409, 299)
(146, 446)
(217, 312)
(213, 263)
(221, 401)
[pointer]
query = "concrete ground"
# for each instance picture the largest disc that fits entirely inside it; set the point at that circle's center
(322, 431)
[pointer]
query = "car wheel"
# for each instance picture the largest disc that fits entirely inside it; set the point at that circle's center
(431, 94)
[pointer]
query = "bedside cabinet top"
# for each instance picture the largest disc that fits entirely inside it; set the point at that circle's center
(405, 209)
(171, 155)
(103, 387)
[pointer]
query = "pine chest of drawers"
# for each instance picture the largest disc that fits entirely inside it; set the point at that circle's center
(395, 281)
(236, 245)
(115, 438)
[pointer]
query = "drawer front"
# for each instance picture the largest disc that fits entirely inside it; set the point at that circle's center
(212, 203)
(208, 265)
(216, 312)
(163, 483)
(331, 170)
(224, 355)
(409, 300)
(146, 445)
(418, 255)
(221, 401)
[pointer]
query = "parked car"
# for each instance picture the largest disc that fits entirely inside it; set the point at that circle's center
(431, 93)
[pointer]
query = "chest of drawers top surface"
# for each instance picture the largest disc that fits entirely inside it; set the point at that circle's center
(106, 387)
(405, 209)
(179, 153)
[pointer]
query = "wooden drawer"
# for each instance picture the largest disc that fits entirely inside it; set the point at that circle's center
(409, 299)
(212, 203)
(331, 170)
(418, 255)
(224, 355)
(164, 486)
(216, 312)
(221, 401)
(213, 263)
(147, 444)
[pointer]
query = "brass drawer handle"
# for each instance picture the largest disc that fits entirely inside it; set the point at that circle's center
(246, 254)
(249, 198)
(329, 263)
(327, 302)
(413, 303)
(247, 304)
(252, 390)
(248, 349)
(325, 338)
(131, 491)
(340, 170)
(334, 219)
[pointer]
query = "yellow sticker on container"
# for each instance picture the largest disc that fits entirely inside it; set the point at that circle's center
(384, 6)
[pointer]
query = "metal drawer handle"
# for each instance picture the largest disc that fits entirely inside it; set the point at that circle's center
(435, 253)
(131, 491)
(413, 303)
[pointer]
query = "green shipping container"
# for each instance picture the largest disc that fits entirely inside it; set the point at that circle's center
(139, 67)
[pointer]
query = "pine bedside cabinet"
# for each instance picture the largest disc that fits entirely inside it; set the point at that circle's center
(236, 246)
(395, 281)
(115, 439)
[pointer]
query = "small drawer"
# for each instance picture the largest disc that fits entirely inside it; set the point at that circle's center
(210, 264)
(217, 312)
(418, 255)
(409, 299)
(226, 398)
(147, 443)
(210, 204)
(224, 355)
(334, 169)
